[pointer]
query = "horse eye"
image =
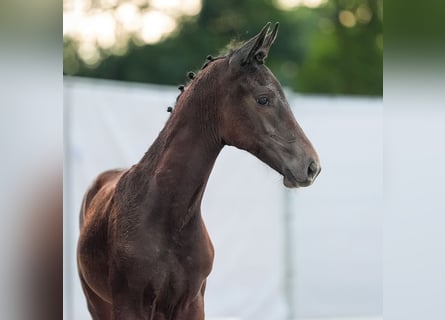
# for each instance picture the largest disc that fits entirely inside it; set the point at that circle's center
(263, 100)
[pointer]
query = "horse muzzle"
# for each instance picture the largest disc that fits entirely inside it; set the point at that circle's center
(305, 178)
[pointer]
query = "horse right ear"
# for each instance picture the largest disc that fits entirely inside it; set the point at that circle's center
(256, 49)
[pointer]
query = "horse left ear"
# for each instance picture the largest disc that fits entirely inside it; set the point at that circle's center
(256, 49)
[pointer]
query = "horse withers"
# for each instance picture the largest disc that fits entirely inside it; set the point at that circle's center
(144, 251)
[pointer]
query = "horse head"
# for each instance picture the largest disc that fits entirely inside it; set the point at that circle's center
(254, 114)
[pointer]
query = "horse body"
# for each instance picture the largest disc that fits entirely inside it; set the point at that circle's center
(144, 251)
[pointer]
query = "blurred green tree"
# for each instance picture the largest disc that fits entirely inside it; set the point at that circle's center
(345, 53)
(335, 48)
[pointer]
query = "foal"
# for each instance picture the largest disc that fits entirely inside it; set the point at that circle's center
(143, 250)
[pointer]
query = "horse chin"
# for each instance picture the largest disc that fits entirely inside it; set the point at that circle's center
(289, 179)
(290, 183)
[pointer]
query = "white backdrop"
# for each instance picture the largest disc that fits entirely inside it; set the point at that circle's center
(329, 264)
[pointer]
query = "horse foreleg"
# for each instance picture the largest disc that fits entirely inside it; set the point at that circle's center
(127, 302)
(194, 310)
(99, 309)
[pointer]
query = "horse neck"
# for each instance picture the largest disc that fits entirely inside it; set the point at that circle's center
(181, 159)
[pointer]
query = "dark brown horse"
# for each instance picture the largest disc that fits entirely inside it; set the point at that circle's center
(143, 251)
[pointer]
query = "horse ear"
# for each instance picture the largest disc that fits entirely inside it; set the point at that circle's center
(256, 49)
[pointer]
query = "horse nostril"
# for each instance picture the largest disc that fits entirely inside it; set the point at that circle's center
(313, 170)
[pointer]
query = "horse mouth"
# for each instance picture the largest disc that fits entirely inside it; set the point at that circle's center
(290, 181)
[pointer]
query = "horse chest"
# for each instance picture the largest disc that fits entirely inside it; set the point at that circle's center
(172, 265)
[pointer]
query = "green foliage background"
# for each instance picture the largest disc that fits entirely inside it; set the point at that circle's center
(314, 52)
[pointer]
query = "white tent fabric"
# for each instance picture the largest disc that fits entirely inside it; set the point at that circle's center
(329, 262)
